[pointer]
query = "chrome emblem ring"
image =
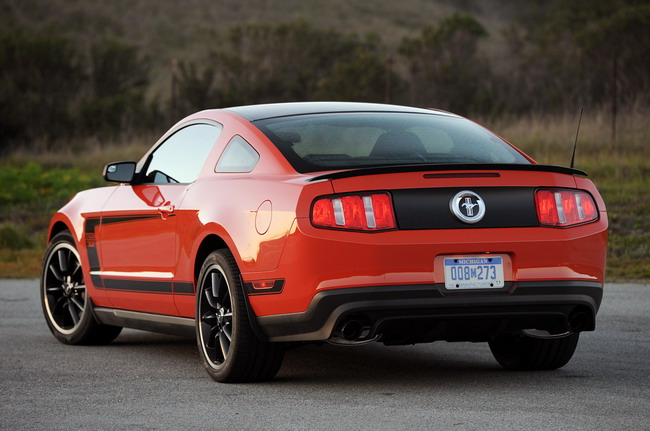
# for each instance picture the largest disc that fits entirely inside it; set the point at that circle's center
(467, 206)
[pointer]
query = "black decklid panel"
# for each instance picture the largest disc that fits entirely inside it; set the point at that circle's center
(429, 208)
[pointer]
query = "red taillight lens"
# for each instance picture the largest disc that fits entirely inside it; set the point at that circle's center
(322, 213)
(353, 212)
(563, 207)
(383, 210)
(365, 212)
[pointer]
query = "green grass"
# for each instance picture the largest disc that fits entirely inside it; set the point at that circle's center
(30, 195)
(35, 184)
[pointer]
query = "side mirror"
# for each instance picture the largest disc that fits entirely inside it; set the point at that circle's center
(119, 172)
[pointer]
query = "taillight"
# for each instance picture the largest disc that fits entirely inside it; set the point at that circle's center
(563, 207)
(365, 212)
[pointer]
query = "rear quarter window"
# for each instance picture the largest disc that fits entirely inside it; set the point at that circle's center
(239, 156)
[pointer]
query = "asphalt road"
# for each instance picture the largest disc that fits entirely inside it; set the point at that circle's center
(149, 381)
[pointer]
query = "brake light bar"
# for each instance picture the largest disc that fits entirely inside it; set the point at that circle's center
(565, 207)
(365, 212)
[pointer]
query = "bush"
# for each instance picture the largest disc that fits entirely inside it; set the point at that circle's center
(13, 238)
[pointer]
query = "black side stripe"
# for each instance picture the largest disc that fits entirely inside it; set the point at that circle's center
(128, 219)
(183, 288)
(97, 281)
(148, 286)
(91, 244)
(126, 284)
(138, 285)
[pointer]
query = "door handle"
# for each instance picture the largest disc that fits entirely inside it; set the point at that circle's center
(165, 211)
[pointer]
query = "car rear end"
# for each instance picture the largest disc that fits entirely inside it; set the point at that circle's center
(432, 276)
(417, 251)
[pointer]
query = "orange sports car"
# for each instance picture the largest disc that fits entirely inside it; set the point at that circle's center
(257, 227)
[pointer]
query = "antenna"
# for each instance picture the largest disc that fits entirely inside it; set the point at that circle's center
(575, 144)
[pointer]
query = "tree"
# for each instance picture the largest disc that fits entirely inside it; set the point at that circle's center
(119, 79)
(259, 63)
(361, 74)
(445, 67)
(582, 52)
(40, 81)
(196, 87)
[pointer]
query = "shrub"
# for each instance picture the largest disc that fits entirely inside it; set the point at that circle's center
(13, 238)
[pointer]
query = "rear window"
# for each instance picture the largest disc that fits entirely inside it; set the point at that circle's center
(320, 142)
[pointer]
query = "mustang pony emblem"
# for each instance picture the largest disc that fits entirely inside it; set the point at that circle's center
(469, 206)
(464, 206)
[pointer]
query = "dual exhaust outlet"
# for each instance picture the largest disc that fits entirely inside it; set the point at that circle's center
(352, 332)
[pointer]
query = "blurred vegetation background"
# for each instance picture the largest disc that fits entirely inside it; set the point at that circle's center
(83, 83)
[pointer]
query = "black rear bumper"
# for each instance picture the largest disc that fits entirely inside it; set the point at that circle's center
(406, 314)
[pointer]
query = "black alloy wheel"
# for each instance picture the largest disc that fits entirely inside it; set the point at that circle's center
(229, 349)
(216, 325)
(65, 290)
(64, 297)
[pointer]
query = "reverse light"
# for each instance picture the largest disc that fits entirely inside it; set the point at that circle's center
(364, 212)
(564, 207)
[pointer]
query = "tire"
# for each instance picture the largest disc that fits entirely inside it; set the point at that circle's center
(65, 301)
(229, 349)
(519, 352)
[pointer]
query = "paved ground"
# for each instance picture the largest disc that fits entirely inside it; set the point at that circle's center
(149, 381)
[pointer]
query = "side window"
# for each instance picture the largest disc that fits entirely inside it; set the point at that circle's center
(180, 158)
(239, 156)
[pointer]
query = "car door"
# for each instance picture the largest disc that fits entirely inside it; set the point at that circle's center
(137, 233)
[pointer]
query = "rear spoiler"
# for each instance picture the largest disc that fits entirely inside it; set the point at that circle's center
(393, 169)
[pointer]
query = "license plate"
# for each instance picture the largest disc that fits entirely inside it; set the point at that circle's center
(474, 272)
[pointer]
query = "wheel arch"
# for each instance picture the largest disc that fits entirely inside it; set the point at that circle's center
(56, 229)
(210, 243)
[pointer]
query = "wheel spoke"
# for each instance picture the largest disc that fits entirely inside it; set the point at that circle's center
(226, 296)
(77, 267)
(56, 273)
(54, 288)
(217, 282)
(212, 338)
(211, 299)
(205, 333)
(227, 330)
(79, 289)
(224, 342)
(73, 312)
(77, 302)
(63, 261)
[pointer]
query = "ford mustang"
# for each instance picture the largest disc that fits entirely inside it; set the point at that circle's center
(260, 227)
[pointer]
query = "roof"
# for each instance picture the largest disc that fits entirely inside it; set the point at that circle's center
(274, 110)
